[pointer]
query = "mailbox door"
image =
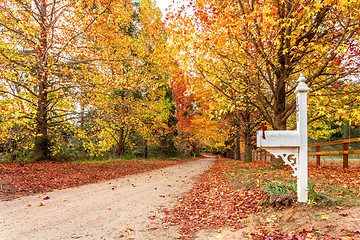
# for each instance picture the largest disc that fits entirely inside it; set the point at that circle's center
(278, 139)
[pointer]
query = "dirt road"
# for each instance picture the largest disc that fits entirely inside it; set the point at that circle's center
(119, 209)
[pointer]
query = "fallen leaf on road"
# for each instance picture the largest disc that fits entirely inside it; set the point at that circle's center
(41, 204)
(76, 237)
(219, 236)
(128, 230)
(272, 218)
(324, 217)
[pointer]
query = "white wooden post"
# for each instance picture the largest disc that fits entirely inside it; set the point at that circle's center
(285, 144)
(302, 162)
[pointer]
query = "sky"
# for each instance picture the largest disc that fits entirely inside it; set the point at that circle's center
(163, 4)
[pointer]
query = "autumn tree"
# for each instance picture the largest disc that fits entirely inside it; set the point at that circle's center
(132, 94)
(264, 45)
(41, 41)
(199, 125)
(185, 111)
(336, 105)
(91, 67)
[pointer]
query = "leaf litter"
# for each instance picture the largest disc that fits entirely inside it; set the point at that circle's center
(45, 176)
(214, 203)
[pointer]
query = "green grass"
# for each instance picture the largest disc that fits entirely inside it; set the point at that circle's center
(84, 158)
(246, 176)
(322, 190)
(335, 159)
(279, 188)
(341, 195)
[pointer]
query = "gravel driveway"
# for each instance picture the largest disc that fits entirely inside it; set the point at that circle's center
(125, 208)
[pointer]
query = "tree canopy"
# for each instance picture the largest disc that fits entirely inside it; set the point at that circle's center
(252, 52)
(104, 75)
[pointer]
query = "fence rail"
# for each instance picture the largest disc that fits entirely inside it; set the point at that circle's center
(262, 154)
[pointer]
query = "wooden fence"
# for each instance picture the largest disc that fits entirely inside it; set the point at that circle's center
(261, 154)
(345, 150)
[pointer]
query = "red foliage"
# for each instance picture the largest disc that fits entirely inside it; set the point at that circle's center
(47, 176)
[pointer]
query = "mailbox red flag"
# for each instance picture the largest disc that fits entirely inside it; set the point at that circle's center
(264, 128)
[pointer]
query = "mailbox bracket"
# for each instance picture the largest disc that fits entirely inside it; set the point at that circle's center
(285, 153)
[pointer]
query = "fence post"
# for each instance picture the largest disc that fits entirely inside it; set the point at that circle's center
(264, 155)
(260, 154)
(264, 152)
(345, 156)
(317, 156)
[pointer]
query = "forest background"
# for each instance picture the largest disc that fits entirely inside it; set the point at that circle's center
(116, 78)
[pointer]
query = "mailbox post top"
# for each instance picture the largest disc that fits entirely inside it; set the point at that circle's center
(302, 86)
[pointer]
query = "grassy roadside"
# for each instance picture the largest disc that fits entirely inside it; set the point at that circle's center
(332, 212)
(327, 183)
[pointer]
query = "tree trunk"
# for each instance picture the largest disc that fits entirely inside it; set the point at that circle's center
(248, 147)
(279, 112)
(82, 115)
(237, 146)
(120, 146)
(280, 107)
(41, 147)
(145, 149)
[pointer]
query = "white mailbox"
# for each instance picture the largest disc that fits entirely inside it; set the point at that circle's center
(278, 138)
(291, 146)
(284, 144)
